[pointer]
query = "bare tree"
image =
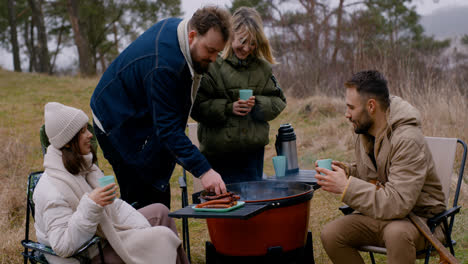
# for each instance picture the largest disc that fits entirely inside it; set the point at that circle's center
(43, 51)
(81, 42)
(14, 35)
(30, 47)
(339, 19)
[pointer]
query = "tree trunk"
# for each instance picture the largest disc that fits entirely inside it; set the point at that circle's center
(81, 43)
(116, 37)
(38, 18)
(29, 40)
(14, 35)
(338, 31)
(102, 59)
(59, 42)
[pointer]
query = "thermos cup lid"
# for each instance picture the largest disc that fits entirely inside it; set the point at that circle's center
(286, 133)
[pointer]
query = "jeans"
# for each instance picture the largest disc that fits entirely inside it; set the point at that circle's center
(239, 166)
(133, 189)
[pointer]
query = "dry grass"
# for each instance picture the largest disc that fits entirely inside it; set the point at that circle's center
(319, 122)
(13, 158)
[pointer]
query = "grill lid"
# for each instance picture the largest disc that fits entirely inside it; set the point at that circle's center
(267, 191)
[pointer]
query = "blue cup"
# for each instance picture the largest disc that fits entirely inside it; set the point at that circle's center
(324, 163)
(279, 163)
(245, 94)
(106, 180)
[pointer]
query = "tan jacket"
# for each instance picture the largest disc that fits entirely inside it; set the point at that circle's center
(405, 169)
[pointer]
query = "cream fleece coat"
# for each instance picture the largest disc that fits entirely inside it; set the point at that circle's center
(66, 217)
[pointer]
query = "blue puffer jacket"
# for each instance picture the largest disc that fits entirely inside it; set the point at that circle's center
(143, 102)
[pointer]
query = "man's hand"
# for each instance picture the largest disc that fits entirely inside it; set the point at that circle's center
(104, 195)
(243, 107)
(333, 181)
(212, 182)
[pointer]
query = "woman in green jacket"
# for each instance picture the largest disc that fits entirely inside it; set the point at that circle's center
(233, 132)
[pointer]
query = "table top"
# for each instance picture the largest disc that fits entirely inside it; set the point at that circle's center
(304, 176)
(245, 212)
(248, 210)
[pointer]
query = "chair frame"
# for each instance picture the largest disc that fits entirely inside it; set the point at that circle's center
(185, 227)
(184, 198)
(35, 251)
(442, 218)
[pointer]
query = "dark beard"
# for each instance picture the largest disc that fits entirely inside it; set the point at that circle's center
(366, 124)
(200, 68)
(363, 129)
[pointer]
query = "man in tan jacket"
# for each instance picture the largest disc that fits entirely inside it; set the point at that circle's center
(394, 174)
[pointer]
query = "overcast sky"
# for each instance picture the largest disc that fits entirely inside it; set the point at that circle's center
(424, 7)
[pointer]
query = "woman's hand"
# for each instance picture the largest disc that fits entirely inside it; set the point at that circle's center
(243, 107)
(104, 195)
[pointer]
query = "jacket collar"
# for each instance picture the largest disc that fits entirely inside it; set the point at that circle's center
(237, 63)
(182, 36)
(53, 160)
(400, 113)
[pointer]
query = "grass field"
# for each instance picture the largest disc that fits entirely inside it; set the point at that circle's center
(321, 129)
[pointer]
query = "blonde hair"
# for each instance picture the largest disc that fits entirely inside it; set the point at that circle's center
(248, 20)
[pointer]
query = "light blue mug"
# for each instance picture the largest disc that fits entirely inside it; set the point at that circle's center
(279, 163)
(245, 94)
(106, 180)
(324, 163)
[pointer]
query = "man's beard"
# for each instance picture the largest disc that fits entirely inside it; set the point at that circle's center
(200, 67)
(364, 125)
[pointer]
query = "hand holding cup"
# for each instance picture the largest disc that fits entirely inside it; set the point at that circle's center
(106, 193)
(324, 163)
(245, 94)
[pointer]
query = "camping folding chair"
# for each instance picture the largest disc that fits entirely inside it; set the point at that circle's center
(34, 251)
(197, 187)
(443, 152)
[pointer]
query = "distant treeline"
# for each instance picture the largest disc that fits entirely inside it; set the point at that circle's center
(316, 44)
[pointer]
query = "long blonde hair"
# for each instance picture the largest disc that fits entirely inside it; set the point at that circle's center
(246, 19)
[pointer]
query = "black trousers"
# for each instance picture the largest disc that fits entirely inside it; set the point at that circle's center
(133, 189)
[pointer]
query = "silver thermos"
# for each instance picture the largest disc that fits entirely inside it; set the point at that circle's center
(286, 146)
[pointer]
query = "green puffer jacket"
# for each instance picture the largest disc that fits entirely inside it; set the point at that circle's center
(221, 131)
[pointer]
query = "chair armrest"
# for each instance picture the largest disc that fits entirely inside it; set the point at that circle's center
(48, 250)
(38, 247)
(88, 244)
(346, 210)
(182, 182)
(436, 220)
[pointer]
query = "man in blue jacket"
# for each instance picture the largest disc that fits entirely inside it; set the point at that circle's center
(142, 103)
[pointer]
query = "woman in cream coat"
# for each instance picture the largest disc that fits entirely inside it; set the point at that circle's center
(71, 207)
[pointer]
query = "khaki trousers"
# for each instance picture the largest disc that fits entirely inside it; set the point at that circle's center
(343, 236)
(157, 215)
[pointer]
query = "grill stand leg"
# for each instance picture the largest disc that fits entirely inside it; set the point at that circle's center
(210, 253)
(309, 250)
(274, 255)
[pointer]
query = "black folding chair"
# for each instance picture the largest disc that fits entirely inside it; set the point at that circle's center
(34, 251)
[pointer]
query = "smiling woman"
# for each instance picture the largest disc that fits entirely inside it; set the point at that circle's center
(69, 192)
(237, 98)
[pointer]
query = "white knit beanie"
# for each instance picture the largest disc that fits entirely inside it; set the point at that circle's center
(62, 123)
